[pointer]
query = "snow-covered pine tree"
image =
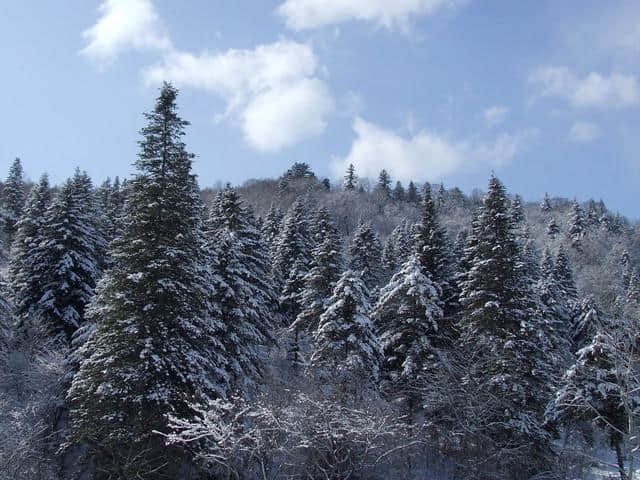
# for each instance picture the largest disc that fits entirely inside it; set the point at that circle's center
(27, 273)
(397, 249)
(230, 213)
(555, 304)
(593, 390)
(365, 252)
(13, 199)
(500, 327)
(155, 351)
(326, 266)
(234, 306)
(434, 251)
(323, 226)
(517, 210)
(6, 321)
(545, 204)
(564, 276)
(345, 348)
(408, 321)
(627, 268)
(587, 323)
(294, 242)
(553, 229)
(412, 193)
(67, 256)
(86, 196)
(271, 228)
(399, 193)
(384, 183)
(350, 178)
(576, 225)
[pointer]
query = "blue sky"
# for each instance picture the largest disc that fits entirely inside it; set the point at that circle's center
(545, 93)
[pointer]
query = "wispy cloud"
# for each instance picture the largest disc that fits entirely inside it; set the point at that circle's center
(309, 14)
(594, 90)
(583, 132)
(272, 91)
(426, 155)
(495, 115)
(124, 25)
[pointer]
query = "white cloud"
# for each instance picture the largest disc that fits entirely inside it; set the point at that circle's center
(424, 156)
(123, 25)
(583, 132)
(495, 115)
(594, 90)
(272, 91)
(308, 14)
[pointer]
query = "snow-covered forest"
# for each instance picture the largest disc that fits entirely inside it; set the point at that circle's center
(299, 328)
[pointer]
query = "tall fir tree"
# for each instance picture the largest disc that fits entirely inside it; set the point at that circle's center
(365, 252)
(230, 213)
(345, 347)
(587, 323)
(517, 210)
(27, 272)
(412, 193)
(553, 229)
(350, 178)
(13, 199)
(500, 327)
(434, 250)
(384, 183)
(409, 324)
(68, 256)
(319, 282)
(564, 276)
(593, 390)
(246, 323)
(399, 193)
(155, 351)
(576, 225)
(545, 204)
(294, 242)
(271, 228)
(293, 260)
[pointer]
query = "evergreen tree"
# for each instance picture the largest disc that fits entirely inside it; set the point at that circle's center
(271, 228)
(155, 351)
(500, 325)
(236, 304)
(345, 347)
(517, 210)
(593, 390)
(553, 229)
(384, 183)
(588, 322)
(397, 249)
(441, 196)
(6, 320)
(318, 285)
(294, 243)
(412, 193)
(398, 192)
(14, 195)
(365, 253)
(247, 292)
(350, 178)
(576, 226)
(433, 250)
(564, 277)
(322, 226)
(259, 298)
(408, 321)
(545, 205)
(68, 257)
(27, 272)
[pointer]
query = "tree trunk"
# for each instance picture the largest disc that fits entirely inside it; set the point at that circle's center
(620, 459)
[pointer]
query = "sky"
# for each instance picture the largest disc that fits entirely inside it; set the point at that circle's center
(546, 94)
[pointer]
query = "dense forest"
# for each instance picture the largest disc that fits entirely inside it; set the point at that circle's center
(298, 328)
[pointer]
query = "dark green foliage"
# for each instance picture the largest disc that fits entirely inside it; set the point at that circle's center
(155, 350)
